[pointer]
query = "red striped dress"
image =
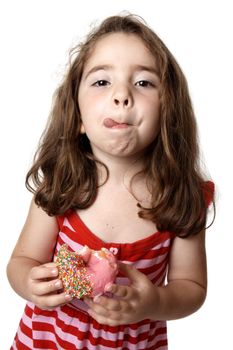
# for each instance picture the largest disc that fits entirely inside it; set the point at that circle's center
(70, 327)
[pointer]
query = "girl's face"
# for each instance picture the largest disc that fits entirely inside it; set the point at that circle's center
(119, 97)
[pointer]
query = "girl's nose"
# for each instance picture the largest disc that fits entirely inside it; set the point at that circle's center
(122, 97)
(124, 102)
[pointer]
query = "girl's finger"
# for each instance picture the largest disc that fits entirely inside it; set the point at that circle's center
(54, 300)
(120, 291)
(44, 271)
(133, 274)
(108, 303)
(99, 309)
(104, 319)
(43, 288)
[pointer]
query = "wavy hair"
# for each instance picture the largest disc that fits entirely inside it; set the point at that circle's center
(64, 173)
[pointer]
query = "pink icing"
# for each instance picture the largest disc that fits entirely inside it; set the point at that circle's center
(101, 268)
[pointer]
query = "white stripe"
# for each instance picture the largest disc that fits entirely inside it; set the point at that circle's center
(158, 338)
(162, 245)
(161, 280)
(14, 346)
(24, 339)
(153, 275)
(79, 305)
(67, 224)
(95, 333)
(126, 282)
(159, 324)
(27, 321)
(74, 245)
(146, 263)
(84, 327)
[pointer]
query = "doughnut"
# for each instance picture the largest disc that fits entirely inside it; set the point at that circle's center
(87, 272)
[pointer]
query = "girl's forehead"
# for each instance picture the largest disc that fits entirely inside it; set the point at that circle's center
(115, 47)
(113, 41)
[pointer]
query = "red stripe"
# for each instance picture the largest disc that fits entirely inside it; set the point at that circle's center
(160, 343)
(128, 248)
(19, 345)
(148, 255)
(156, 346)
(25, 329)
(85, 318)
(60, 221)
(60, 242)
(45, 327)
(155, 267)
(158, 277)
(47, 344)
(158, 331)
(47, 313)
(208, 190)
(28, 311)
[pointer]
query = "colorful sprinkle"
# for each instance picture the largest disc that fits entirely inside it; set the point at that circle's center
(73, 273)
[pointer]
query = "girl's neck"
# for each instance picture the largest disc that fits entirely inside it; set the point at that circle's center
(121, 170)
(125, 177)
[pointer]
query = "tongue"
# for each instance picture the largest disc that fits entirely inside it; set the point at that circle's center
(109, 123)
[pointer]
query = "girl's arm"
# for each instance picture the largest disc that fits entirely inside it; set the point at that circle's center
(184, 293)
(30, 271)
(187, 278)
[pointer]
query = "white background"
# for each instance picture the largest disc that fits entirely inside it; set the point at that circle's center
(35, 39)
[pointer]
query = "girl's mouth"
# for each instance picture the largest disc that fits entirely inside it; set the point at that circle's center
(112, 124)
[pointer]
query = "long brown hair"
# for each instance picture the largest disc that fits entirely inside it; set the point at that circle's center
(64, 173)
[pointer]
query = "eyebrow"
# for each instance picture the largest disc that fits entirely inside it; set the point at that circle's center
(97, 68)
(150, 69)
(107, 67)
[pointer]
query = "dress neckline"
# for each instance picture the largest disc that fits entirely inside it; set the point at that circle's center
(91, 238)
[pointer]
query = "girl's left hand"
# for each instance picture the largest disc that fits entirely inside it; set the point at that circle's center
(132, 303)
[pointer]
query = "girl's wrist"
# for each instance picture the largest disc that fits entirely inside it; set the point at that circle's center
(154, 306)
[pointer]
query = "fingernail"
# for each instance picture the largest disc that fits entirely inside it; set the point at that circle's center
(58, 284)
(88, 301)
(54, 272)
(68, 297)
(96, 299)
(108, 287)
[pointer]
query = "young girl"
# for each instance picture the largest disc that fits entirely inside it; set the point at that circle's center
(117, 167)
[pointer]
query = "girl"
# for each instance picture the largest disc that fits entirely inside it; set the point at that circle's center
(117, 167)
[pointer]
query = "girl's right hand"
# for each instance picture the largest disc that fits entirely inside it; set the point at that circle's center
(45, 288)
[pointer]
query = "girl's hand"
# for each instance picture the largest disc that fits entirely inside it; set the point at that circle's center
(132, 303)
(43, 286)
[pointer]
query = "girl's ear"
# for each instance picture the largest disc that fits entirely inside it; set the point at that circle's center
(82, 129)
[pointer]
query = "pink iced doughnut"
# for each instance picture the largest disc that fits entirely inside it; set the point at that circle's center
(86, 272)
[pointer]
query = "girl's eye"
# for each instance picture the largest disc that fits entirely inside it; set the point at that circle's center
(144, 83)
(101, 83)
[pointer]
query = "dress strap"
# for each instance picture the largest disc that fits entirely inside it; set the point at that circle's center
(208, 189)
